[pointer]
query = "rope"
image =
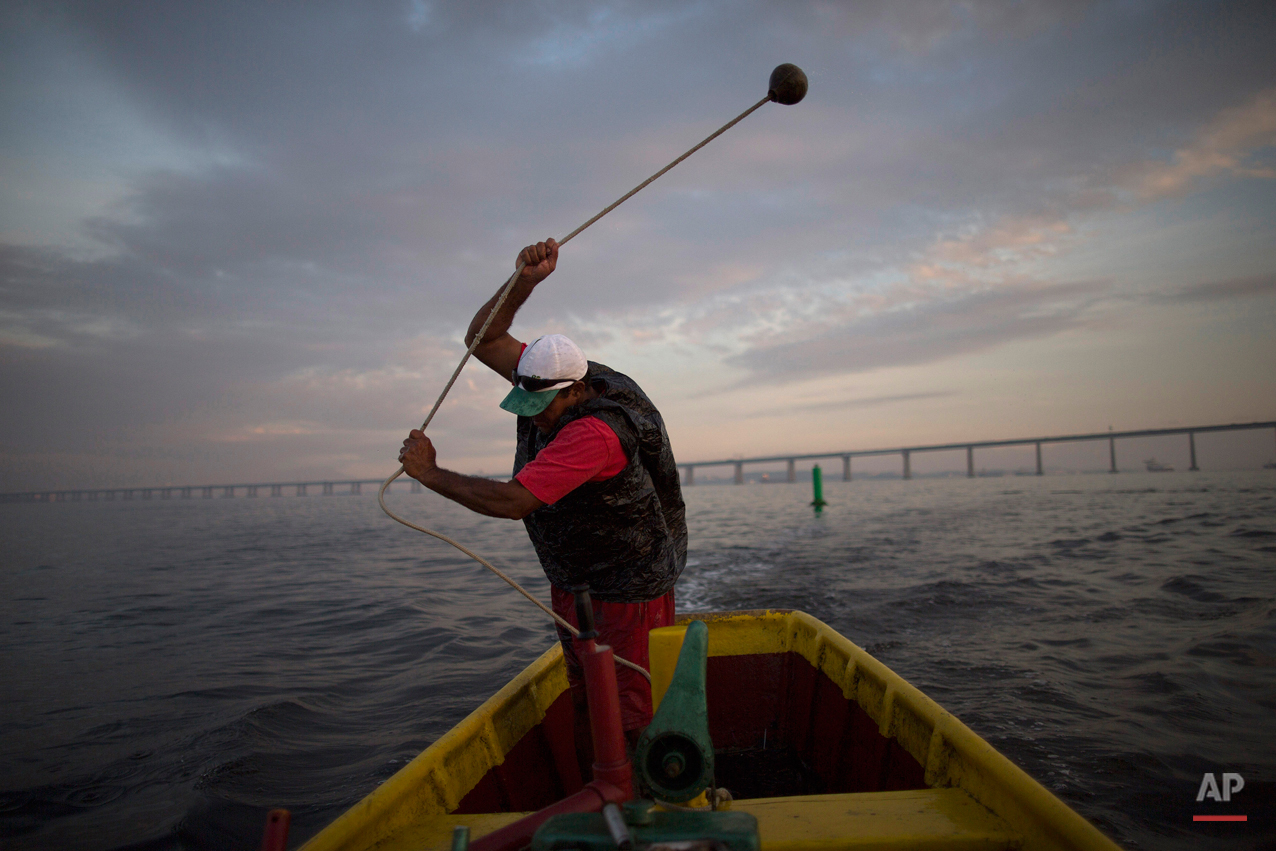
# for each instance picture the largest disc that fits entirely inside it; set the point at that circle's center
(496, 309)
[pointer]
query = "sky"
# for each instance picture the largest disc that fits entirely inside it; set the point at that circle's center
(242, 241)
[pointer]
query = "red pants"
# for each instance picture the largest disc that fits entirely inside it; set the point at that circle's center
(623, 626)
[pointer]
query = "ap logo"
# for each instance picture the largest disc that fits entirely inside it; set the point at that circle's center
(1210, 788)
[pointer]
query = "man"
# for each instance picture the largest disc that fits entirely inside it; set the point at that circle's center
(595, 483)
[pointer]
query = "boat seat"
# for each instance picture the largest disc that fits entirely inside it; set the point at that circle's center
(918, 819)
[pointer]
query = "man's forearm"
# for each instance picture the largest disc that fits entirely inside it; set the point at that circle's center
(485, 496)
(504, 317)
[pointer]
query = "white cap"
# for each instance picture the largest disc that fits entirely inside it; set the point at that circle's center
(552, 358)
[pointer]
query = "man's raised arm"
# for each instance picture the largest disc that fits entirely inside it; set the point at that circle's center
(498, 349)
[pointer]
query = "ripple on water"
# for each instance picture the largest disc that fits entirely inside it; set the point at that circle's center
(1189, 586)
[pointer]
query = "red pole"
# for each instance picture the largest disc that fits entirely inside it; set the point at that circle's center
(611, 763)
(591, 799)
(613, 779)
(276, 835)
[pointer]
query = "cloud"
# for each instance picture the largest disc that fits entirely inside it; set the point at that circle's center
(1234, 133)
(968, 290)
(848, 404)
(925, 332)
(1010, 241)
(1228, 146)
(923, 28)
(306, 204)
(1212, 291)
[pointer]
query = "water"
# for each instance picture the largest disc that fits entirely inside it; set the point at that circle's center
(171, 670)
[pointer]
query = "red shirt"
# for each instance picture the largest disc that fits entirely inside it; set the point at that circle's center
(584, 450)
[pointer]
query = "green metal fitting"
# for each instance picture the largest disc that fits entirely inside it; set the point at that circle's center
(674, 758)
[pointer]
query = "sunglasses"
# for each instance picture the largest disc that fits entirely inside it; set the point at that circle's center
(534, 385)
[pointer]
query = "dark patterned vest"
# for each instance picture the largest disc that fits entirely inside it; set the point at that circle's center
(626, 536)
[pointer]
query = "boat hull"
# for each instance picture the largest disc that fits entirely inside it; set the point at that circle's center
(822, 743)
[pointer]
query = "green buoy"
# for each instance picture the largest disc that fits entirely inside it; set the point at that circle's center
(817, 481)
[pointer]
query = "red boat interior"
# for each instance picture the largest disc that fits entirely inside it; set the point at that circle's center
(779, 726)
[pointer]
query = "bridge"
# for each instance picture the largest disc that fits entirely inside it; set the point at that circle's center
(329, 487)
(326, 487)
(906, 453)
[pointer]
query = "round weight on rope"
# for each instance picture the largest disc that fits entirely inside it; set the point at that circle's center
(788, 84)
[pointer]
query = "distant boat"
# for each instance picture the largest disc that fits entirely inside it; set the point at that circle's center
(1155, 466)
(1270, 465)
